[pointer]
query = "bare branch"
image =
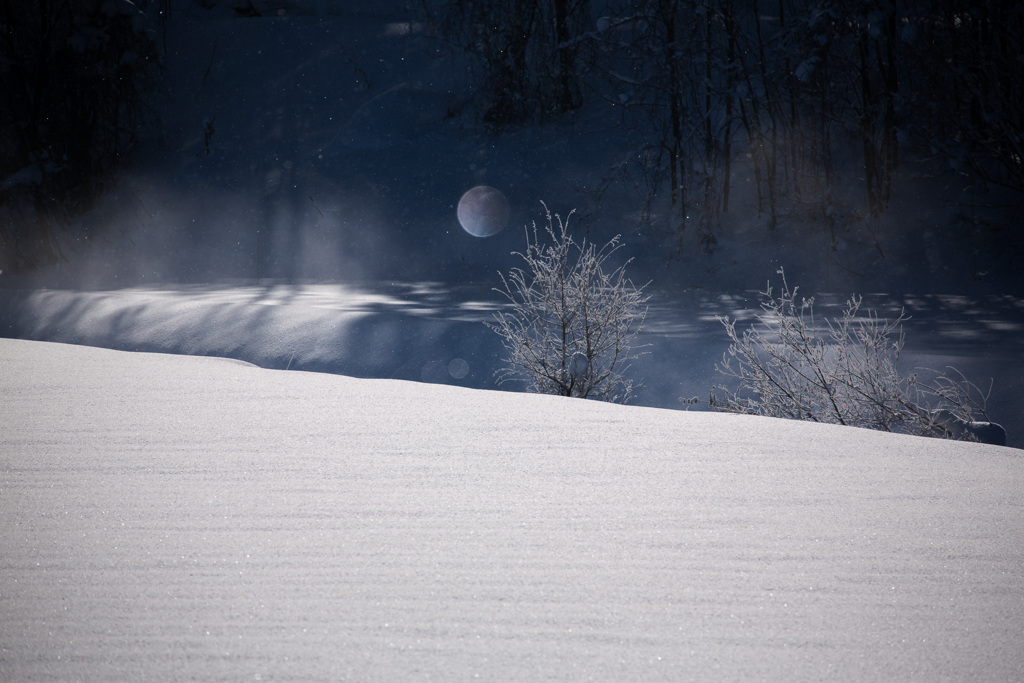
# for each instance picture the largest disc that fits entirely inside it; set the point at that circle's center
(844, 372)
(572, 320)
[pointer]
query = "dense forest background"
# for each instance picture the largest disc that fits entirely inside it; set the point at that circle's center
(74, 76)
(786, 85)
(821, 101)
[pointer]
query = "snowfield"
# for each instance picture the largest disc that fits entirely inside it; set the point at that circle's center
(183, 518)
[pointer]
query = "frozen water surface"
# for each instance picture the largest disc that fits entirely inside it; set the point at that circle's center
(173, 517)
(434, 332)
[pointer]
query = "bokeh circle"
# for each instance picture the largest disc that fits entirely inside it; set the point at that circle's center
(458, 368)
(483, 211)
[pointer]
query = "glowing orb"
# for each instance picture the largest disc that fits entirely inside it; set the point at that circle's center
(579, 364)
(458, 368)
(483, 211)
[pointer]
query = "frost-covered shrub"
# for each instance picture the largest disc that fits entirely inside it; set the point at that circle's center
(842, 372)
(572, 323)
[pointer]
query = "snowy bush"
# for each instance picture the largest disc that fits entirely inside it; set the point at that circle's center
(572, 323)
(844, 372)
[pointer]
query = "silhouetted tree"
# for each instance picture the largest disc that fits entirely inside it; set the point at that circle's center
(966, 75)
(526, 52)
(72, 74)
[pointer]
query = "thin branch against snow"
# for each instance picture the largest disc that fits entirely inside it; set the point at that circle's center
(843, 372)
(572, 322)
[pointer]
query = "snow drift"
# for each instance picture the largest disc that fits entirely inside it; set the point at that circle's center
(196, 518)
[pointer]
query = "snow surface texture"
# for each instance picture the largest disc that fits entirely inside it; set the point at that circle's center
(182, 518)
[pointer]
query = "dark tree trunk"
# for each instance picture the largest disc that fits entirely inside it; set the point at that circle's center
(567, 91)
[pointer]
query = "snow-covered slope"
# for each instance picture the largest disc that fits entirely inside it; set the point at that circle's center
(434, 332)
(169, 517)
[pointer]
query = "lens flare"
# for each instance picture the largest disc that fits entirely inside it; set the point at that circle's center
(458, 368)
(483, 211)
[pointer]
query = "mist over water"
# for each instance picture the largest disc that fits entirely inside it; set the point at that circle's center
(334, 185)
(434, 332)
(329, 192)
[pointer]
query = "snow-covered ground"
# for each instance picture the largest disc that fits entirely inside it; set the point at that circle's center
(182, 518)
(197, 518)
